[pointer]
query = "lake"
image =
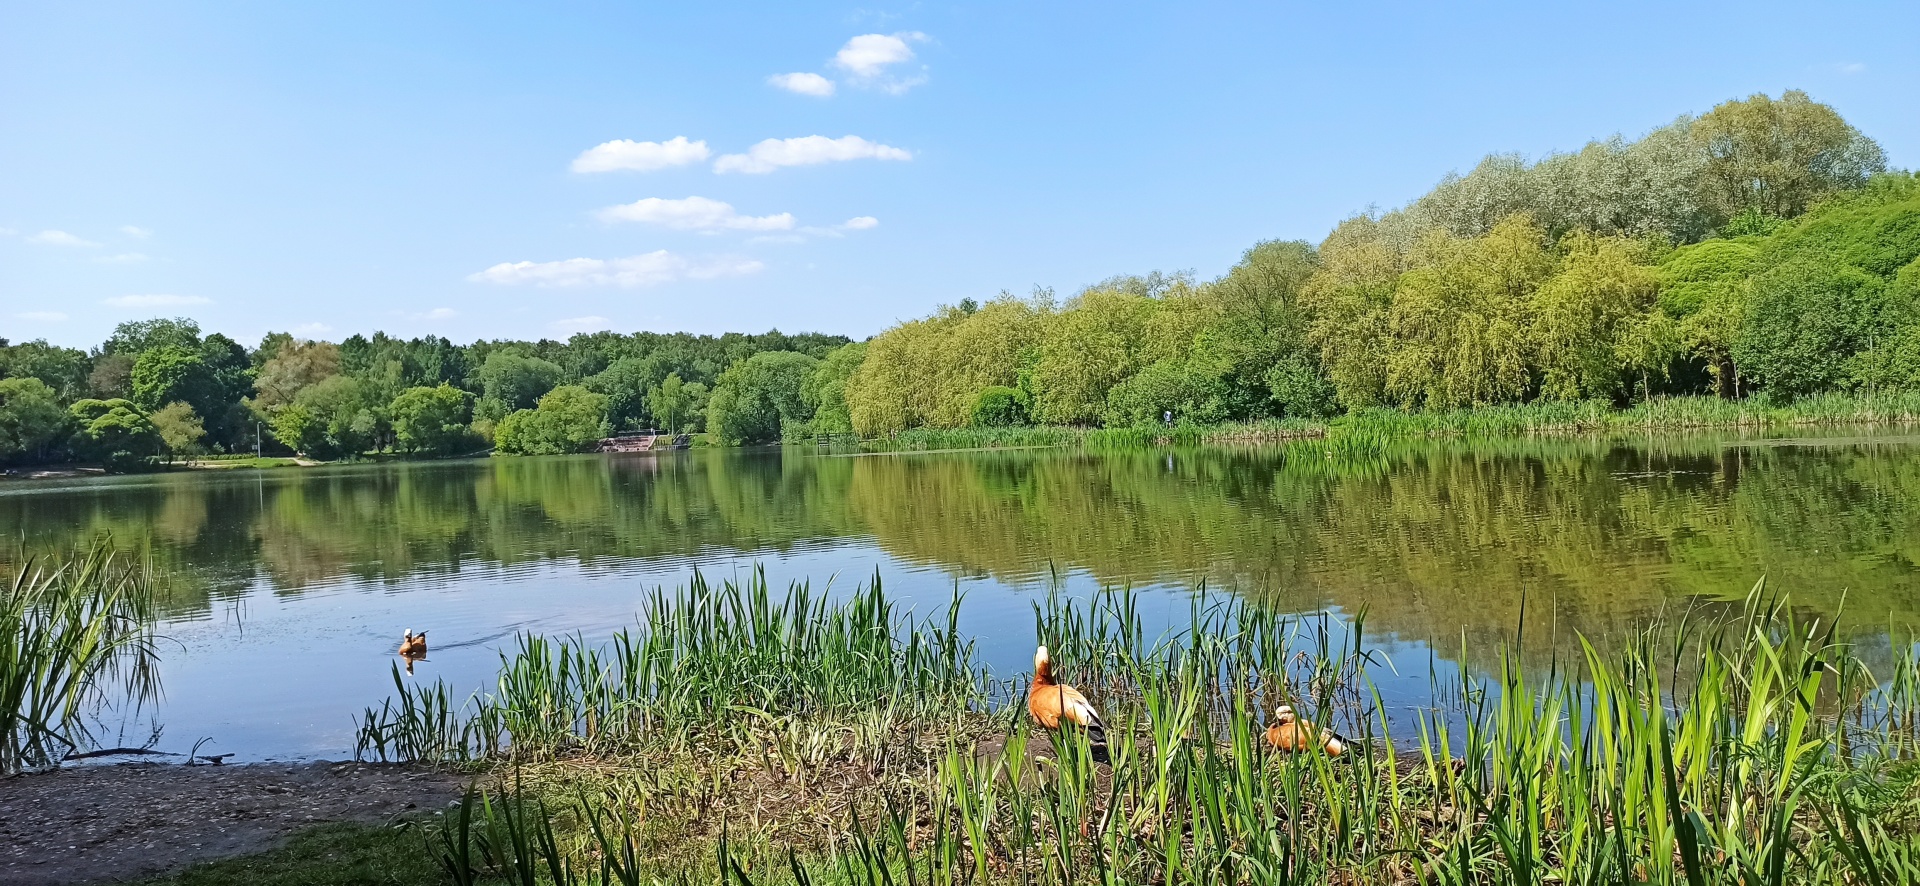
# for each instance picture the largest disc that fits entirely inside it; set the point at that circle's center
(288, 589)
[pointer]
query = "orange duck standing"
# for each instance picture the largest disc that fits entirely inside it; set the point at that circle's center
(1051, 704)
(1291, 734)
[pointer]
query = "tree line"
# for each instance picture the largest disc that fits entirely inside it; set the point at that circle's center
(159, 389)
(1760, 249)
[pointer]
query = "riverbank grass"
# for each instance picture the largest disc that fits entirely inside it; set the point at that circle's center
(743, 736)
(1375, 426)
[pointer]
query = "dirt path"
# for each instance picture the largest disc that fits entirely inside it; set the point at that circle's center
(98, 824)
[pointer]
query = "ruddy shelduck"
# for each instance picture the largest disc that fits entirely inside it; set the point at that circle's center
(414, 645)
(1291, 734)
(1052, 704)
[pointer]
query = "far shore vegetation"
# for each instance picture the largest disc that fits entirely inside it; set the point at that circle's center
(1757, 264)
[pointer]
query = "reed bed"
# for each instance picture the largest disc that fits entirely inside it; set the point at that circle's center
(1745, 746)
(1371, 430)
(75, 633)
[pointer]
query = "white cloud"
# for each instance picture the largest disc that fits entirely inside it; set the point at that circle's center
(774, 153)
(593, 323)
(311, 329)
(1851, 67)
(648, 269)
(136, 232)
(437, 314)
(858, 223)
(42, 316)
(7, 232)
(157, 301)
(59, 238)
(868, 59)
(693, 214)
(640, 156)
(124, 258)
(803, 83)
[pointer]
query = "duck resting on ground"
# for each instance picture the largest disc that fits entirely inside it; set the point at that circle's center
(414, 645)
(1051, 704)
(1291, 734)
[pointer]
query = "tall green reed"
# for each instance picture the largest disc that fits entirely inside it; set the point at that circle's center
(733, 661)
(75, 633)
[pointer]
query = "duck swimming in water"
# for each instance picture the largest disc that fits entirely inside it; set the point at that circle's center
(414, 645)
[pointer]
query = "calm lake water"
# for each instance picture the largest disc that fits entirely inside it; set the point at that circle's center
(289, 589)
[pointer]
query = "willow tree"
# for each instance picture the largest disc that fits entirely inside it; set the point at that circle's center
(1587, 319)
(1458, 325)
(1102, 338)
(1347, 302)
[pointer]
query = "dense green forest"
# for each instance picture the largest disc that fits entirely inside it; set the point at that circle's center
(1762, 249)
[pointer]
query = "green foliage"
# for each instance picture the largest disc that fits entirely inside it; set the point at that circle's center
(1167, 386)
(515, 380)
(759, 398)
(569, 418)
(136, 337)
(1805, 322)
(31, 420)
(179, 427)
(433, 421)
(676, 404)
(173, 373)
(114, 433)
(1779, 157)
(825, 392)
(1001, 407)
(625, 384)
(65, 370)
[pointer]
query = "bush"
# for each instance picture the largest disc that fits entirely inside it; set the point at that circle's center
(1001, 407)
(1192, 396)
(433, 421)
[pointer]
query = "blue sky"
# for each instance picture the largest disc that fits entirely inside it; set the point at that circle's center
(344, 167)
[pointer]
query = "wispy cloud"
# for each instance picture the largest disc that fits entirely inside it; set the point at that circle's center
(648, 269)
(625, 154)
(1851, 67)
(7, 232)
(437, 314)
(135, 231)
(157, 301)
(59, 238)
(693, 214)
(309, 330)
(870, 59)
(802, 235)
(124, 258)
(803, 83)
(593, 323)
(775, 153)
(42, 316)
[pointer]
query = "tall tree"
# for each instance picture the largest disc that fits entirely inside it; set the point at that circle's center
(1778, 156)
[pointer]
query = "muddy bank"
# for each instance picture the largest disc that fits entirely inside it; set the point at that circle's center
(98, 824)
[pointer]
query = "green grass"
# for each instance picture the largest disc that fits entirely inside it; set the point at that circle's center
(1735, 744)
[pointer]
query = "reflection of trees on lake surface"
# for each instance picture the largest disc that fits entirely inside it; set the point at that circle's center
(1595, 533)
